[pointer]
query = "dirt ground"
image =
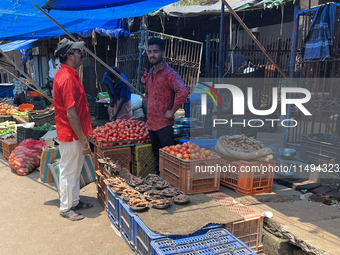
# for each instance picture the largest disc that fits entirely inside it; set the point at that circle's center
(30, 223)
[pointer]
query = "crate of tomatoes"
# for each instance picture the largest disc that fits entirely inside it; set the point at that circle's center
(190, 168)
(120, 133)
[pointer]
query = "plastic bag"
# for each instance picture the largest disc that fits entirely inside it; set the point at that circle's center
(26, 157)
(136, 102)
(262, 155)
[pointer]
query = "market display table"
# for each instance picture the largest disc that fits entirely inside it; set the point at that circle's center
(188, 218)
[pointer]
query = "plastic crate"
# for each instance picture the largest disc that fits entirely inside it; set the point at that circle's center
(217, 241)
(9, 144)
(102, 111)
(186, 107)
(248, 230)
(113, 207)
(183, 175)
(1, 145)
(143, 160)
(118, 144)
(208, 144)
(248, 177)
(101, 197)
(41, 118)
(320, 149)
(127, 222)
(123, 155)
(26, 133)
(144, 236)
(92, 108)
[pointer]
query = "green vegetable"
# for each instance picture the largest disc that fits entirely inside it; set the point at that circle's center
(45, 127)
(7, 131)
(21, 113)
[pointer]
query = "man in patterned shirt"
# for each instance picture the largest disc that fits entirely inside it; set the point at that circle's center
(19, 89)
(164, 94)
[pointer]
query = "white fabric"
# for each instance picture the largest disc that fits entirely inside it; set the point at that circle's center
(136, 101)
(71, 163)
(53, 71)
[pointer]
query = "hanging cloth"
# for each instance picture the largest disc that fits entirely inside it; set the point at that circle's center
(319, 41)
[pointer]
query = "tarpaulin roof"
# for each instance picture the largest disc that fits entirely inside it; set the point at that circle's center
(20, 44)
(21, 20)
(197, 10)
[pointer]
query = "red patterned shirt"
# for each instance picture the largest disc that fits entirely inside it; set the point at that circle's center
(162, 91)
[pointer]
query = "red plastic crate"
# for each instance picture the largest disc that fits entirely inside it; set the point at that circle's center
(248, 230)
(248, 182)
(123, 155)
(183, 175)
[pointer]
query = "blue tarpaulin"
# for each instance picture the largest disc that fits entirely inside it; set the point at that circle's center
(119, 32)
(20, 20)
(319, 40)
(20, 44)
(68, 5)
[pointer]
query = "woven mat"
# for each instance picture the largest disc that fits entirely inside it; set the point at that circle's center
(188, 218)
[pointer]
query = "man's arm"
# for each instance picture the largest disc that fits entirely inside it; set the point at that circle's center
(76, 127)
(108, 90)
(120, 105)
(177, 84)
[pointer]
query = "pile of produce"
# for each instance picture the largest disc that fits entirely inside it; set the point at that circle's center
(7, 124)
(6, 109)
(188, 151)
(25, 113)
(7, 131)
(45, 127)
(26, 157)
(242, 143)
(241, 147)
(121, 132)
(8, 137)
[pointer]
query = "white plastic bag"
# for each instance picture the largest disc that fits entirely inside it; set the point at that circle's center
(136, 101)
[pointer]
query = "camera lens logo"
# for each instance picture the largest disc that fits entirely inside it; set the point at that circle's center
(204, 97)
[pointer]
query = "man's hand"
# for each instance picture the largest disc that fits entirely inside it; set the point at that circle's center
(169, 115)
(114, 117)
(85, 147)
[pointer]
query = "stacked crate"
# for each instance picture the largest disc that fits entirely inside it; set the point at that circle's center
(101, 189)
(248, 230)
(8, 146)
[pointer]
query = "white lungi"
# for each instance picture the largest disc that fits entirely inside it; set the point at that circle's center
(71, 163)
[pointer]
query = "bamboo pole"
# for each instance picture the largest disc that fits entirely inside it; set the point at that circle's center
(28, 78)
(90, 52)
(277, 66)
(12, 74)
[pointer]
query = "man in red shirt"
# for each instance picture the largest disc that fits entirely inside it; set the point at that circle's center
(73, 123)
(164, 94)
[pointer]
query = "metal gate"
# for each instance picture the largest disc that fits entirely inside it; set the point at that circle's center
(258, 66)
(320, 77)
(181, 54)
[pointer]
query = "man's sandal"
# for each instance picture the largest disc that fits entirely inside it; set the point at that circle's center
(82, 205)
(72, 215)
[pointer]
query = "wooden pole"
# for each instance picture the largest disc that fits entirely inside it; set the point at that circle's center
(90, 52)
(39, 90)
(290, 81)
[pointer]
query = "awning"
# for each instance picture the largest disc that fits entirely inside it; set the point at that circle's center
(21, 20)
(19, 45)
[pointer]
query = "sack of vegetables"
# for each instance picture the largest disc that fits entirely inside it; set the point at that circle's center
(26, 157)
